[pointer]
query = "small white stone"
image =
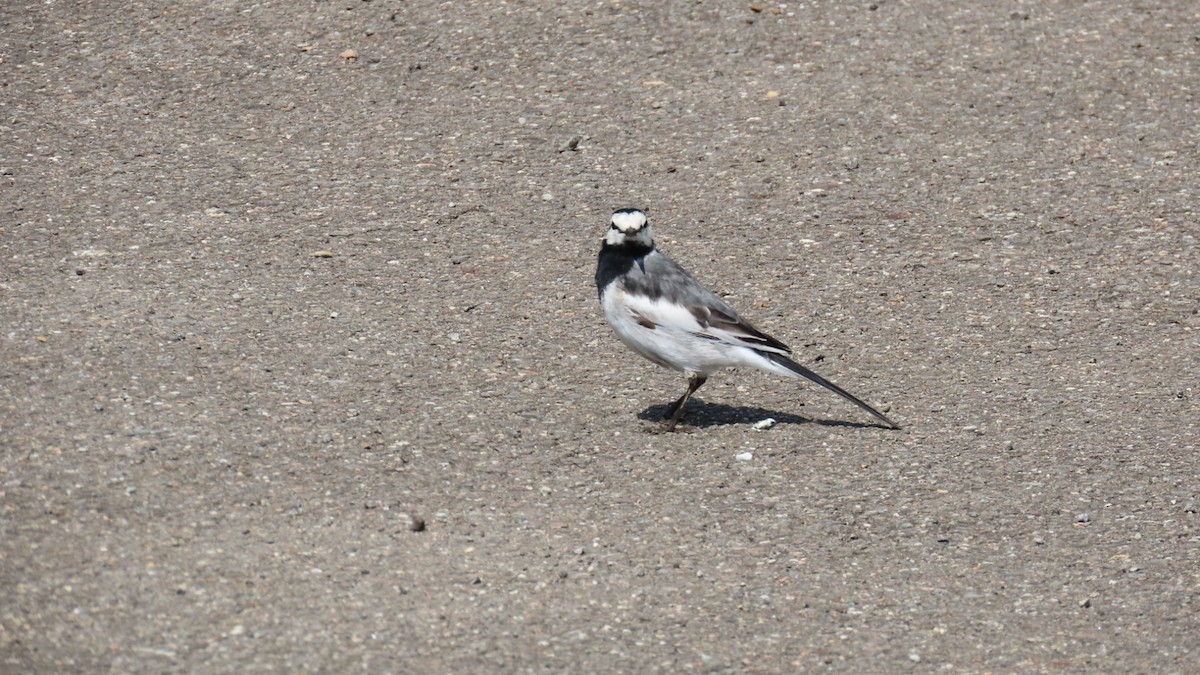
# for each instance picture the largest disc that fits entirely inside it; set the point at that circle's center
(546, 197)
(745, 456)
(763, 425)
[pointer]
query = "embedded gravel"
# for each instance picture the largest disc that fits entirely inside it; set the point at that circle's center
(302, 368)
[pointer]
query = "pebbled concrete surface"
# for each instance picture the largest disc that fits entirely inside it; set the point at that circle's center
(284, 281)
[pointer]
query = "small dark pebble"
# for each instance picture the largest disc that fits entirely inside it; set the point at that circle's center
(417, 524)
(571, 144)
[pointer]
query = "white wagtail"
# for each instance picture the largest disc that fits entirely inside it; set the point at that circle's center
(659, 311)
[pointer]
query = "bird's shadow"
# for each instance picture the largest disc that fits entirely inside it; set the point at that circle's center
(701, 414)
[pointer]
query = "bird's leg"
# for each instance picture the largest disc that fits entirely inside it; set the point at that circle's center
(674, 407)
(675, 413)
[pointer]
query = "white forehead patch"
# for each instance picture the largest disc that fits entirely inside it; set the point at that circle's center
(629, 221)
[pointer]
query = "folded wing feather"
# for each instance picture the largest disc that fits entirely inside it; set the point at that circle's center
(706, 321)
(727, 326)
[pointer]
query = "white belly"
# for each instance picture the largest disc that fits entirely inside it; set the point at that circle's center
(673, 341)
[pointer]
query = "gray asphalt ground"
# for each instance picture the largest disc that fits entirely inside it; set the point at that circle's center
(284, 281)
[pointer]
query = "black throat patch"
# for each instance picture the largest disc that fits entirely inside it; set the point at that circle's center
(615, 261)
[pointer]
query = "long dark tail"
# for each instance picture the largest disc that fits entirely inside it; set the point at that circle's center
(801, 370)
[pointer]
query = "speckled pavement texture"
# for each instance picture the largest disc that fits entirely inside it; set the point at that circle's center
(302, 368)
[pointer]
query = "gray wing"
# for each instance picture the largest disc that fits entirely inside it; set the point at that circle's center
(657, 276)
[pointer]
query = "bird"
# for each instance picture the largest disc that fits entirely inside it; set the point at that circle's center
(661, 312)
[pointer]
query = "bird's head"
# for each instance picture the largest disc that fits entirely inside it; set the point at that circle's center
(629, 228)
